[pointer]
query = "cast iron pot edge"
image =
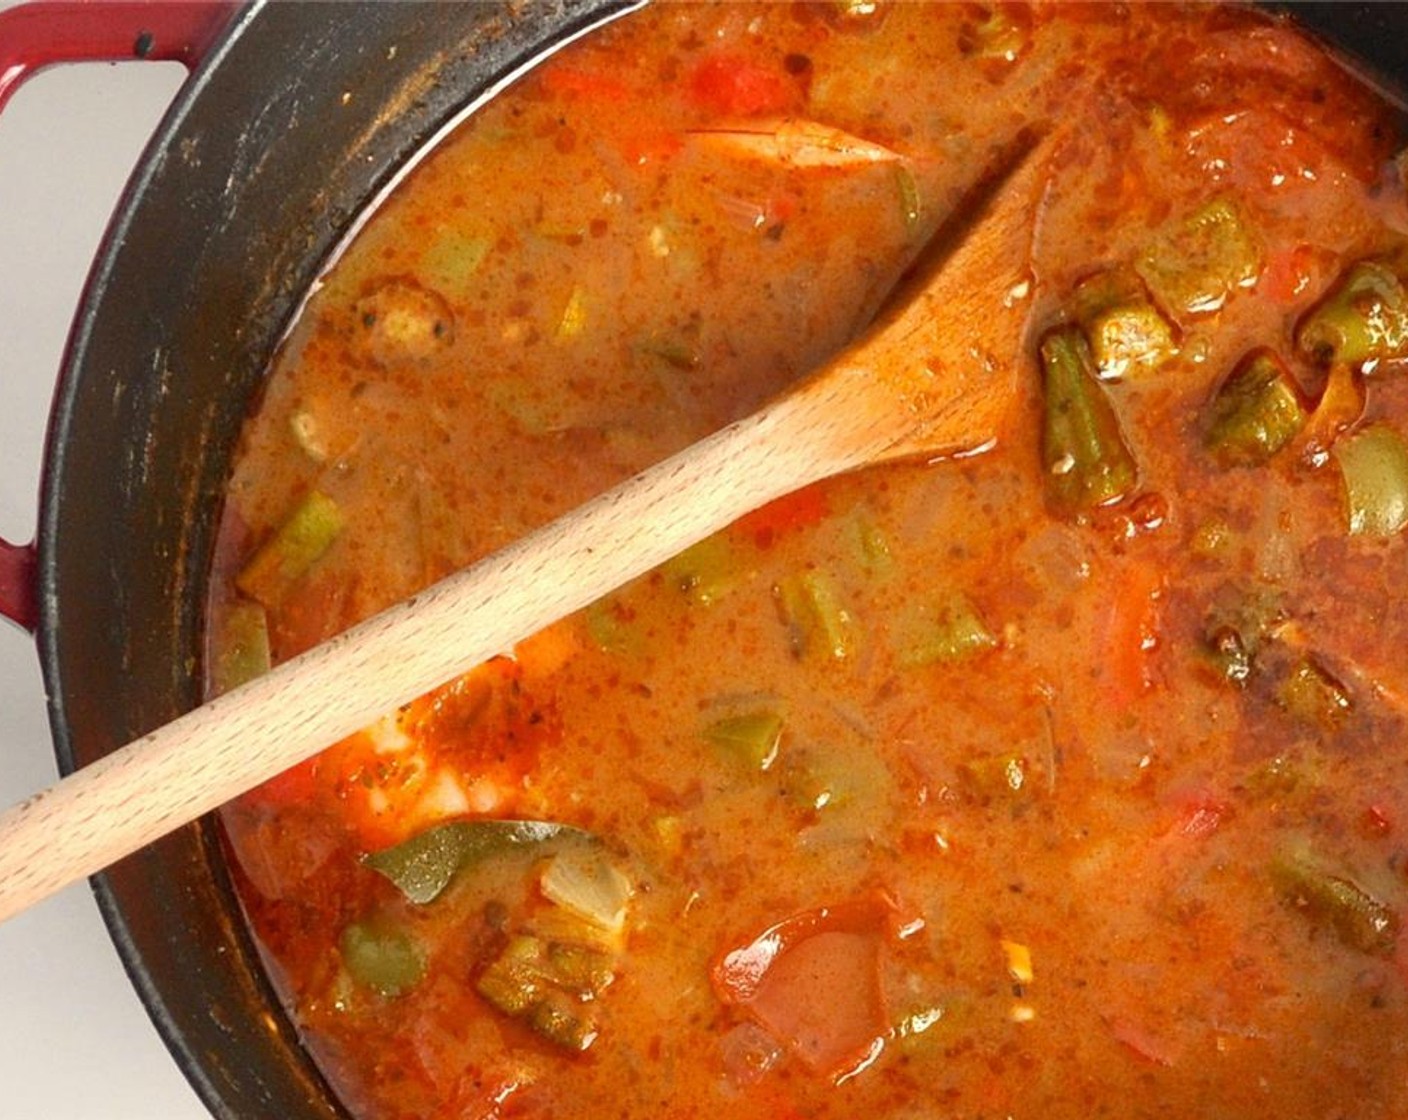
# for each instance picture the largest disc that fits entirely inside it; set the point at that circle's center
(254, 177)
(252, 180)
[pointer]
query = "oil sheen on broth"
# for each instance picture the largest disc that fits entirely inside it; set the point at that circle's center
(1068, 780)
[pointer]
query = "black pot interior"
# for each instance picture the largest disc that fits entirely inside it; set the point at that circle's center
(1369, 35)
(297, 120)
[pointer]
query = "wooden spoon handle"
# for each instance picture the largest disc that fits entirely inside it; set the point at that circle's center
(931, 377)
(184, 769)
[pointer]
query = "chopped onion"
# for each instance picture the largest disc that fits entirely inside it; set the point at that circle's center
(1374, 464)
(590, 887)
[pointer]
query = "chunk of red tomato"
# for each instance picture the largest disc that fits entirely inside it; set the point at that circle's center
(798, 510)
(1127, 634)
(813, 982)
(729, 86)
(461, 750)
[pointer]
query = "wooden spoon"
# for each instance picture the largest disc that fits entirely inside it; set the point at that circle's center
(934, 376)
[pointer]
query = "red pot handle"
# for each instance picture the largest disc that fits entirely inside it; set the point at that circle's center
(40, 34)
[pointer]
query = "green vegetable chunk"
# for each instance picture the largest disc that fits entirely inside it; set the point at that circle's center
(513, 982)
(839, 775)
(1363, 319)
(873, 553)
(1196, 264)
(947, 632)
(549, 986)
(452, 259)
(1083, 450)
(996, 776)
(752, 737)
(295, 547)
(561, 1023)
(817, 618)
(1228, 655)
(1126, 332)
(244, 647)
(1314, 697)
(580, 969)
(911, 205)
(1374, 466)
(704, 572)
(1358, 919)
(423, 866)
(609, 624)
(382, 956)
(671, 354)
(1240, 620)
(1256, 412)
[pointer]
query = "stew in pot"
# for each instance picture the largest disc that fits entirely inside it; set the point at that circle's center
(1065, 780)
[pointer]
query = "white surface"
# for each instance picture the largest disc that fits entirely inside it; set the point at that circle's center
(75, 1042)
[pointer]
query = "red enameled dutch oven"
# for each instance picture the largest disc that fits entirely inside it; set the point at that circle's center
(295, 117)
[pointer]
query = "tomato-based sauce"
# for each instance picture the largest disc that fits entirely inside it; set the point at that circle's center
(1065, 780)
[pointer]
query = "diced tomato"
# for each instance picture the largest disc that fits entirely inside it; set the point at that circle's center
(798, 510)
(729, 86)
(1127, 634)
(813, 982)
(460, 750)
(486, 719)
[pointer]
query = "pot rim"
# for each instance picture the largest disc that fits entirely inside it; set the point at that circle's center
(218, 236)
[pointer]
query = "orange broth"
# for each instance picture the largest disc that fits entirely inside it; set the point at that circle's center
(1032, 784)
